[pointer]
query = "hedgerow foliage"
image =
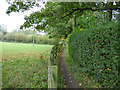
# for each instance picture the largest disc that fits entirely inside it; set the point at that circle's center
(55, 60)
(55, 52)
(96, 52)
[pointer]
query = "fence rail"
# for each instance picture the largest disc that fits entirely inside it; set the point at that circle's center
(52, 66)
(52, 74)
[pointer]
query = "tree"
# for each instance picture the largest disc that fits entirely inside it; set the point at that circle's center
(1, 36)
(56, 16)
(3, 29)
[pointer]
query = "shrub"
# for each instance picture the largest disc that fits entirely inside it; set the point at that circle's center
(96, 52)
(54, 53)
(1, 36)
(29, 39)
(53, 41)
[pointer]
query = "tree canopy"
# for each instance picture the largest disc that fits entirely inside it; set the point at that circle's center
(56, 17)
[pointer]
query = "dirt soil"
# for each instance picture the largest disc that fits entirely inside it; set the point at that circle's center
(70, 81)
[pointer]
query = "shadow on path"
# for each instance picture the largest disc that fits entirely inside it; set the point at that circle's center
(70, 81)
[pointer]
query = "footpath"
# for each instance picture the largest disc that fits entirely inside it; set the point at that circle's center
(70, 81)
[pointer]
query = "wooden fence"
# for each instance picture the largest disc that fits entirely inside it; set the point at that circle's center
(52, 74)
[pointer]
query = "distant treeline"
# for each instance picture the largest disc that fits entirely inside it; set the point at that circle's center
(27, 37)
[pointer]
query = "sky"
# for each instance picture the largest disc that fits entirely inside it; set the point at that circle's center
(13, 21)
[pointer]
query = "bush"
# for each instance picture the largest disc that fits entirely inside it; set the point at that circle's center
(96, 52)
(54, 53)
(29, 39)
(1, 36)
(53, 41)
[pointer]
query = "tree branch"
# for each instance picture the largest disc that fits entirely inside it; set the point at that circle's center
(97, 9)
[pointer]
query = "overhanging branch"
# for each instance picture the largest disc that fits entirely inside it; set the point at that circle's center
(82, 9)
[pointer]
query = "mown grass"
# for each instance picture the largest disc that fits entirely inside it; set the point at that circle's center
(82, 78)
(24, 66)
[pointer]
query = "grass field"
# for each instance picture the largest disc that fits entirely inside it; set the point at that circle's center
(24, 66)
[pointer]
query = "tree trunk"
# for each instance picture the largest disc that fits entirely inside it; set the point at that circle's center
(110, 12)
(74, 22)
(118, 20)
(110, 15)
(33, 38)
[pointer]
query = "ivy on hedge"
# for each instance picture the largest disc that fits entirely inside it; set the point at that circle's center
(96, 52)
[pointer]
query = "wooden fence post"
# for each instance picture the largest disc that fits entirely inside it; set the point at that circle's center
(51, 82)
(55, 74)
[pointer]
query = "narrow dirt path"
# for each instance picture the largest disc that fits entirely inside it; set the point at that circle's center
(70, 81)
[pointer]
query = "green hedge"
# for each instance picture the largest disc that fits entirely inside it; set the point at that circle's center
(57, 49)
(55, 60)
(96, 52)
